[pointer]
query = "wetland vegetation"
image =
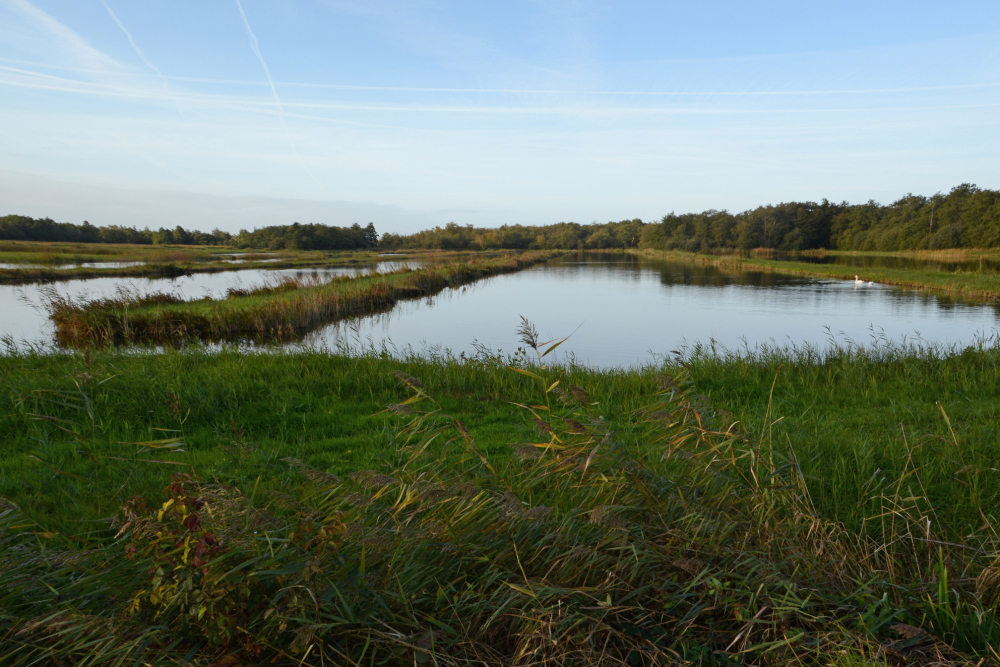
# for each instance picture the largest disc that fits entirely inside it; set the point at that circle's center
(227, 508)
(29, 261)
(770, 505)
(268, 313)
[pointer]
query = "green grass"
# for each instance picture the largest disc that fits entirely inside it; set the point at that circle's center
(613, 517)
(317, 407)
(270, 313)
(855, 421)
(860, 418)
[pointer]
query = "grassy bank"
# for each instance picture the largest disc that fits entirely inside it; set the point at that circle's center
(268, 313)
(969, 285)
(624, 519)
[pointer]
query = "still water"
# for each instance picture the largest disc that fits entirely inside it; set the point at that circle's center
(621, 310)
(23, 317)
(625, 310)
(975, 265)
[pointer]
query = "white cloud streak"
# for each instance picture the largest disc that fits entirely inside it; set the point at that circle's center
(69, 40)
(43, 81)
(610, 93)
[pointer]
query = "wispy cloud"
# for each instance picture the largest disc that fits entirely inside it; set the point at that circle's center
(610, 93)
(68, 39)
(20, 77)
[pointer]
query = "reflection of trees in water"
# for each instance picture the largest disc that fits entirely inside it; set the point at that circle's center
(673, 273)
(870, 262)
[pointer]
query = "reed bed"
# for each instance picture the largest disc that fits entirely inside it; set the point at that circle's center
(685, 540)
(266, 314)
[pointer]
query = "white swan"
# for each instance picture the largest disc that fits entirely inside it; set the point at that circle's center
(858, 281)
(870, 283)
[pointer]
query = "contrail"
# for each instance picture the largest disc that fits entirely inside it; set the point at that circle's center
(132, 42)
(260, 58)
(141, 55)
(274, 91)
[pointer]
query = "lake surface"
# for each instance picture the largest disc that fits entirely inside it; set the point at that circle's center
(23, 318)
(631, 310)
(622, 310)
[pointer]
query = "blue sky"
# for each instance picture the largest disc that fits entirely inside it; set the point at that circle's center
(243, 113)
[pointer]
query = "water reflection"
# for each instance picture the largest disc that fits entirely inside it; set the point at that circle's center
(23, 318)
(976, 265)
(630, 310)
(77, 265)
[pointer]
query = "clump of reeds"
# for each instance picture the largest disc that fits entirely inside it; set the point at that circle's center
(692, 544)
(275, 313)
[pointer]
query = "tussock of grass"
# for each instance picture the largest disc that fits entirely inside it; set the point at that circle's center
(687, 542)
(268, 314)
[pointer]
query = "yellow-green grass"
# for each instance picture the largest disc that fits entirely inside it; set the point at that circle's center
(968, 285)
(267, 314)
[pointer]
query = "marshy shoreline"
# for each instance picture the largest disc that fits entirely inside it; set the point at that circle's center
(268, 313)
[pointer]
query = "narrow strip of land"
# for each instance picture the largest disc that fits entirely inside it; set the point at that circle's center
(274, 313)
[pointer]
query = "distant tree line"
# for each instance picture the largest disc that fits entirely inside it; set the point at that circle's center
(309, 237)
(624, 234)
(23, 228)
(295, 236)
(966, 217)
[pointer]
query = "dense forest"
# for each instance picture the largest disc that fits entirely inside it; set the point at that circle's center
(23, 228)
(966, 217)
(309, 237)
(293, 237)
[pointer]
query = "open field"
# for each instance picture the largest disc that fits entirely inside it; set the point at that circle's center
(268, 313)
(969, 285)
(625, 513)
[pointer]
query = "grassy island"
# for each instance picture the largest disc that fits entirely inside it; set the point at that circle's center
(268, 313)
